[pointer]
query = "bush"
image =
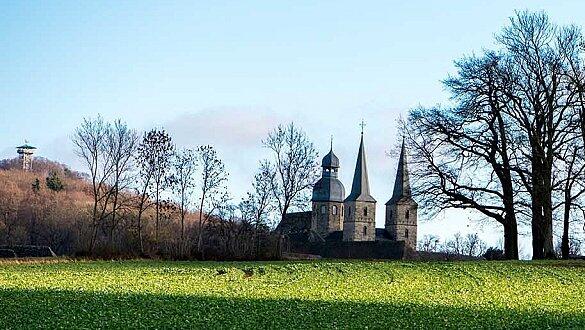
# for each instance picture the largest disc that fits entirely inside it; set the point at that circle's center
(494, 254)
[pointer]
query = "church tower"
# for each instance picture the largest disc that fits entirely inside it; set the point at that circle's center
(401, 209)
(359, 222)
(328, 195)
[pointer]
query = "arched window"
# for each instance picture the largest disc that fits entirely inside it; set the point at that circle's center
(323, 209)
(365, 230)
(405, 233)
(407, 215)
(334, 210)
(365, 211)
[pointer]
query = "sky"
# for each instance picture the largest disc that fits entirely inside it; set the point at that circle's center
(227, 72)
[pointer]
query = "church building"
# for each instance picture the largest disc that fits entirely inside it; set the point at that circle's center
(340, 226)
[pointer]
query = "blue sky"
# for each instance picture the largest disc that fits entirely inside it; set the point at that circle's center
(225, 73)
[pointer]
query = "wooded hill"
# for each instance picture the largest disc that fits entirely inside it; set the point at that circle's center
(51, 206)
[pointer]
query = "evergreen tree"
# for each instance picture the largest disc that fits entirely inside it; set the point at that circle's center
(54, 182)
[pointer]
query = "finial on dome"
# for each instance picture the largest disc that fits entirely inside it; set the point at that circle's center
(331, 142)
(363, 124)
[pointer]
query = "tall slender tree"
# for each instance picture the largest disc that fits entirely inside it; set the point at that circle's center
(295, 166)
(213, 193)
(183, 182)
(90, 145)
(258, 203)
(154, 155)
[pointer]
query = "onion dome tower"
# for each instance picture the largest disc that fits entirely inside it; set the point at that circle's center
(327, 200)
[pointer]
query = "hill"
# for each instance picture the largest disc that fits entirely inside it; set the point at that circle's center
(34, 214)
(319, 294)
(52, 206)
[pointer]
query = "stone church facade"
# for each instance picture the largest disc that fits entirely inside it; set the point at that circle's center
(340, 226)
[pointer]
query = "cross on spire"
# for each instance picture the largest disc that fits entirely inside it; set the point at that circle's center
(363, 124)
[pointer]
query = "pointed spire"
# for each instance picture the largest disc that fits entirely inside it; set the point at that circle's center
(402, 182)
(360, 189)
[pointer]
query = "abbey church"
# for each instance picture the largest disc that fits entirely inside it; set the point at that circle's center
(345, 227)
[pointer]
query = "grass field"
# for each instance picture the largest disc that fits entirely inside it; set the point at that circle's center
(320, 294)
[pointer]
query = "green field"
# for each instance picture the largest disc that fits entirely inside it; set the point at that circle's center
(320, 294)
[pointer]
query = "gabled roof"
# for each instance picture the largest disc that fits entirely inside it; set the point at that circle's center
(360, 188)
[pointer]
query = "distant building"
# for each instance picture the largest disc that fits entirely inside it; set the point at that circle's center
(25, 153)
(345, 227)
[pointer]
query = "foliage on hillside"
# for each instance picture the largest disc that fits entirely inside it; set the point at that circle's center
(322, 294)
(51, 206)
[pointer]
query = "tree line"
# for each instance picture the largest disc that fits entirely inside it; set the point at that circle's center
(510, 148)
(175, 201)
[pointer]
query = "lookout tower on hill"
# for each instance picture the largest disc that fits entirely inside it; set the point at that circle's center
(26, 152)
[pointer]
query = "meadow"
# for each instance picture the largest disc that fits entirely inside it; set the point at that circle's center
(312, 294)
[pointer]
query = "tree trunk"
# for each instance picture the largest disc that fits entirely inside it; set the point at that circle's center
(156, 224)
(549, 249)
(511, 237)
(537, 239)
(566, 215)
(200, 233)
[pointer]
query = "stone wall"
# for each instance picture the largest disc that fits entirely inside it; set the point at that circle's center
(352, 250)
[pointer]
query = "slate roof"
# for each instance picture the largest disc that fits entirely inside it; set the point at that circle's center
(328, 188)
(360, 188)
(330, 160)
(402, 182)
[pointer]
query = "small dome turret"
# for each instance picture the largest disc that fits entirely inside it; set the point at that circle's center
(330, 160)
(329, 188)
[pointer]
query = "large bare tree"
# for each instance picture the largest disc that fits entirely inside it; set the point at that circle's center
(541, 104)
(518, 109)
(121, 143)
(90, 140)
(295, 166)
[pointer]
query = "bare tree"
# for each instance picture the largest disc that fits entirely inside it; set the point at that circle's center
(454, 246)
(184, 182)
(429, 243)
(473, 246)
(121, 143)
(518, 109)
(154, 156)
(90, 145)
(213, 189)
(258, 202)
(569, 182)
(295, 166)
(461, 156)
